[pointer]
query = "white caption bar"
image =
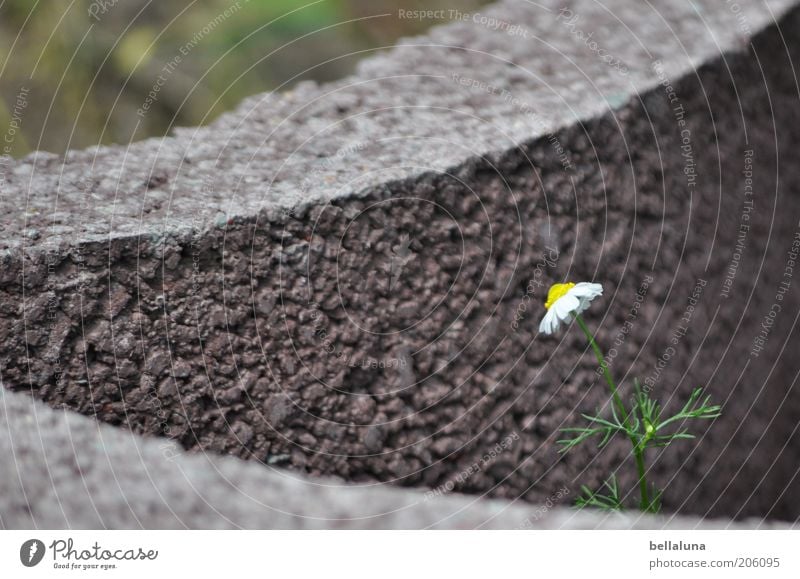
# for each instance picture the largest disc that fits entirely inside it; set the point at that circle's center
(400, 554)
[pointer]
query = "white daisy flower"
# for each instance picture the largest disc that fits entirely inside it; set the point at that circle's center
(565, 299)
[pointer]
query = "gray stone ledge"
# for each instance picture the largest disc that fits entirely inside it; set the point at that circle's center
(259, 158)
(62, 470)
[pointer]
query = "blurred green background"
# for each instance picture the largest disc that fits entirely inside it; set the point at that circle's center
(88, 66)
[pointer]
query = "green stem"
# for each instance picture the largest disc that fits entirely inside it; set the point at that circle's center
(638, 450)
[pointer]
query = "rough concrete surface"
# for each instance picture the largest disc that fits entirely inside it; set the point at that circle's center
(63, 470)
(343, 280)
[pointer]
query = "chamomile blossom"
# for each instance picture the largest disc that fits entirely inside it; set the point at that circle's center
(642, 424)
(565, 299)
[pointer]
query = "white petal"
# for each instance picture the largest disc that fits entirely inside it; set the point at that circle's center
(549, 323)
(585, 292)
(565, 305)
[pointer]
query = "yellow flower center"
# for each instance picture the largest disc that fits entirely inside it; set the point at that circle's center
(557, 291)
